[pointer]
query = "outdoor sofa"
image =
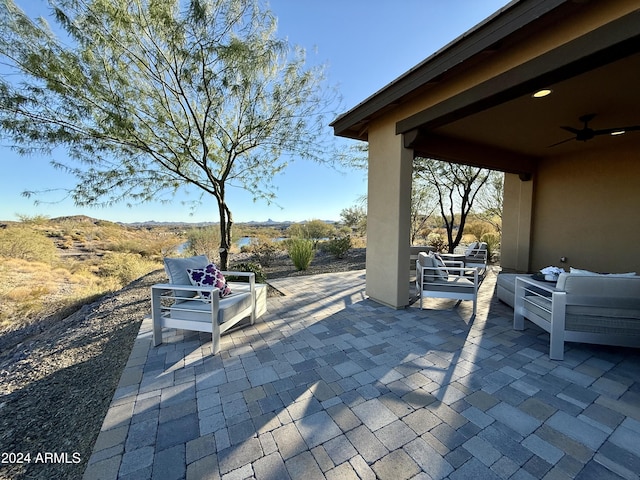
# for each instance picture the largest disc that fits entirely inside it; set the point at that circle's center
(581, 307)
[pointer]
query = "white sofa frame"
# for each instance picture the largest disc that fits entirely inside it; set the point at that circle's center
(533, 296)
(165, 313)
(458, 286)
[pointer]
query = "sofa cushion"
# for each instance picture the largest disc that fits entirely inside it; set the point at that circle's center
(578, 271)
(612, 285)
(209, 276)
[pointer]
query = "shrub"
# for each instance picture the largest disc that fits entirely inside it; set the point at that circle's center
(265, 249)
(301, 252)
(26, 244)
(477, 229)
(247, 267)
(125, 267)
(493, 243)
(204, 241)
(338, 247)
(437, 241)
(313, 229)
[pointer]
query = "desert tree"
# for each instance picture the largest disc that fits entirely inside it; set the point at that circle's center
(456, 187)
(355, 218)
(146, 98)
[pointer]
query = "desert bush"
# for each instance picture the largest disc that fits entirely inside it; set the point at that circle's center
(313, 229)
(338, 246)
(247, 267)
(437, 241)
(204, 241)
(301, 251)
(265, 249)
(125, 267)
(477, 229)
(27, 244)
(493, 243)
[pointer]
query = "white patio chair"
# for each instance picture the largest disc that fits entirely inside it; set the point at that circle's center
(182, 305)
(453, 280)
(476, 256)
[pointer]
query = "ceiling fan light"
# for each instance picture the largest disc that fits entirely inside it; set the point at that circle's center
(542, 93)
(619, 132)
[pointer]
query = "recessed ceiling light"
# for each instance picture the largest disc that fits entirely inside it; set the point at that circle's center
(618, 132)
(542, 93)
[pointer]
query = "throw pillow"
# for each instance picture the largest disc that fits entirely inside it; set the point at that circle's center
(209, 276)
(442, 271)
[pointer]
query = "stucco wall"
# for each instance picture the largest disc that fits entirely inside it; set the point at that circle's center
(516, 224)
(587, 208)
(388, 215)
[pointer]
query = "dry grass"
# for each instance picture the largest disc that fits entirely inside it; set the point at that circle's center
(53, 266)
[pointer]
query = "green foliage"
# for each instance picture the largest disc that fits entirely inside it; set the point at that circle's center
(493, 243)
(456, 187)
(338, 246)
(247, 267)
(148, 98)
(27, 244)
(314, 230)
(355, 218)
(301, 251)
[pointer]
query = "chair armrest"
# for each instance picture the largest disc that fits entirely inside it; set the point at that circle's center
(189, 288)
(538, 285)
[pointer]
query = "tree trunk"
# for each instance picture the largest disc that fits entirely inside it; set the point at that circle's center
(226, 225)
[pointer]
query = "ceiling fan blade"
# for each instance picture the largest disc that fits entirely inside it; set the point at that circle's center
(607, 131)
(559, 143)
(575, 131)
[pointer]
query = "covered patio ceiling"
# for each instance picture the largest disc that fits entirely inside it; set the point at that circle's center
(499, 124)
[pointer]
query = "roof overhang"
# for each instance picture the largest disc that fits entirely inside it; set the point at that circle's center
(575, 66)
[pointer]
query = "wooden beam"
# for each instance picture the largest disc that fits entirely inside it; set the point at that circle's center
(455, 150)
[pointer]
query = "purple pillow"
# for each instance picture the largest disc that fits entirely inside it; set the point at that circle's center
(209, 276)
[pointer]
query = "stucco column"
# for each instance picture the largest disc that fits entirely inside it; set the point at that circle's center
(517, 213)
(388, 217)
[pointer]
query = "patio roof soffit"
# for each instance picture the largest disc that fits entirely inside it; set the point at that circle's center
(604, 45)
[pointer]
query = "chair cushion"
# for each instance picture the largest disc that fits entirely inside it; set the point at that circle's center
(176, 269)
(230, 306)
(452, 284)
(209, 276)
(436, 270)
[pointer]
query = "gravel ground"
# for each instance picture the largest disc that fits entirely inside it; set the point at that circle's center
(57, 380)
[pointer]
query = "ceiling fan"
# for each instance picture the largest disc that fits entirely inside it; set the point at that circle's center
(586, 133)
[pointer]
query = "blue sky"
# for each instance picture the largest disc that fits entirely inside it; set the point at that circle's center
(365, 44)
